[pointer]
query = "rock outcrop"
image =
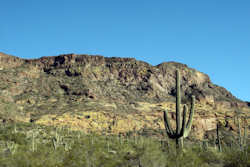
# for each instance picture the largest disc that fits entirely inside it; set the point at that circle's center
(118, 94)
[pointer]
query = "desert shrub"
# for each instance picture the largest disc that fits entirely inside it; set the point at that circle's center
(78, 149)
(236, 157)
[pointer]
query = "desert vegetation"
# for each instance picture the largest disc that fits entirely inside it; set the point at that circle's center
(33, 145)
(26, 144)
(73, 114)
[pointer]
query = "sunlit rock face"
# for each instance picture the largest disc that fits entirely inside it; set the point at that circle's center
(118, 94)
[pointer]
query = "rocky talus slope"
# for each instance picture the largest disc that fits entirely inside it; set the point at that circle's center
(109, 95)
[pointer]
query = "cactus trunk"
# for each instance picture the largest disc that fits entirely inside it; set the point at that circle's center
(178, 102)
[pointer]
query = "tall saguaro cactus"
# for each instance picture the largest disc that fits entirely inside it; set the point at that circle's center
(182, 129)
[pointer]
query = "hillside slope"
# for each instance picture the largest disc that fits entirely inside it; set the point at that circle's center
(110, 95)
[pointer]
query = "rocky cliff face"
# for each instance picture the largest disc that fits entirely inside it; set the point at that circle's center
(114, 95)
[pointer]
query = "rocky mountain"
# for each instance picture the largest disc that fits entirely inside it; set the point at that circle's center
(109, 95)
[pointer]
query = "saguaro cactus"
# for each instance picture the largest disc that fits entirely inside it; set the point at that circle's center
(218, 137)
(182, 129)
(239, 133)
(245, 137)
(242, 139)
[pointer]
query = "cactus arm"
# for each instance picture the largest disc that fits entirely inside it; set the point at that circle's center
(178, 102)
(245, 136)
(190, 119)
(167, 124)
(183, 128)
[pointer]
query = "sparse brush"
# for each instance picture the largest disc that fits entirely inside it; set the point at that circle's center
(107, 151)
(57, 140)
(11, 147)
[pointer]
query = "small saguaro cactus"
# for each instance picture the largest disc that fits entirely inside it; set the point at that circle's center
(182, 129)
(242, 139)
(239, 133)
(218, 137)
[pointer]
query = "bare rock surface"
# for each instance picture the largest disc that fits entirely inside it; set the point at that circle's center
(96, 93)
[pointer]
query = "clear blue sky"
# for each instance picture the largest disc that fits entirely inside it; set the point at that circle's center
(212, 36)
